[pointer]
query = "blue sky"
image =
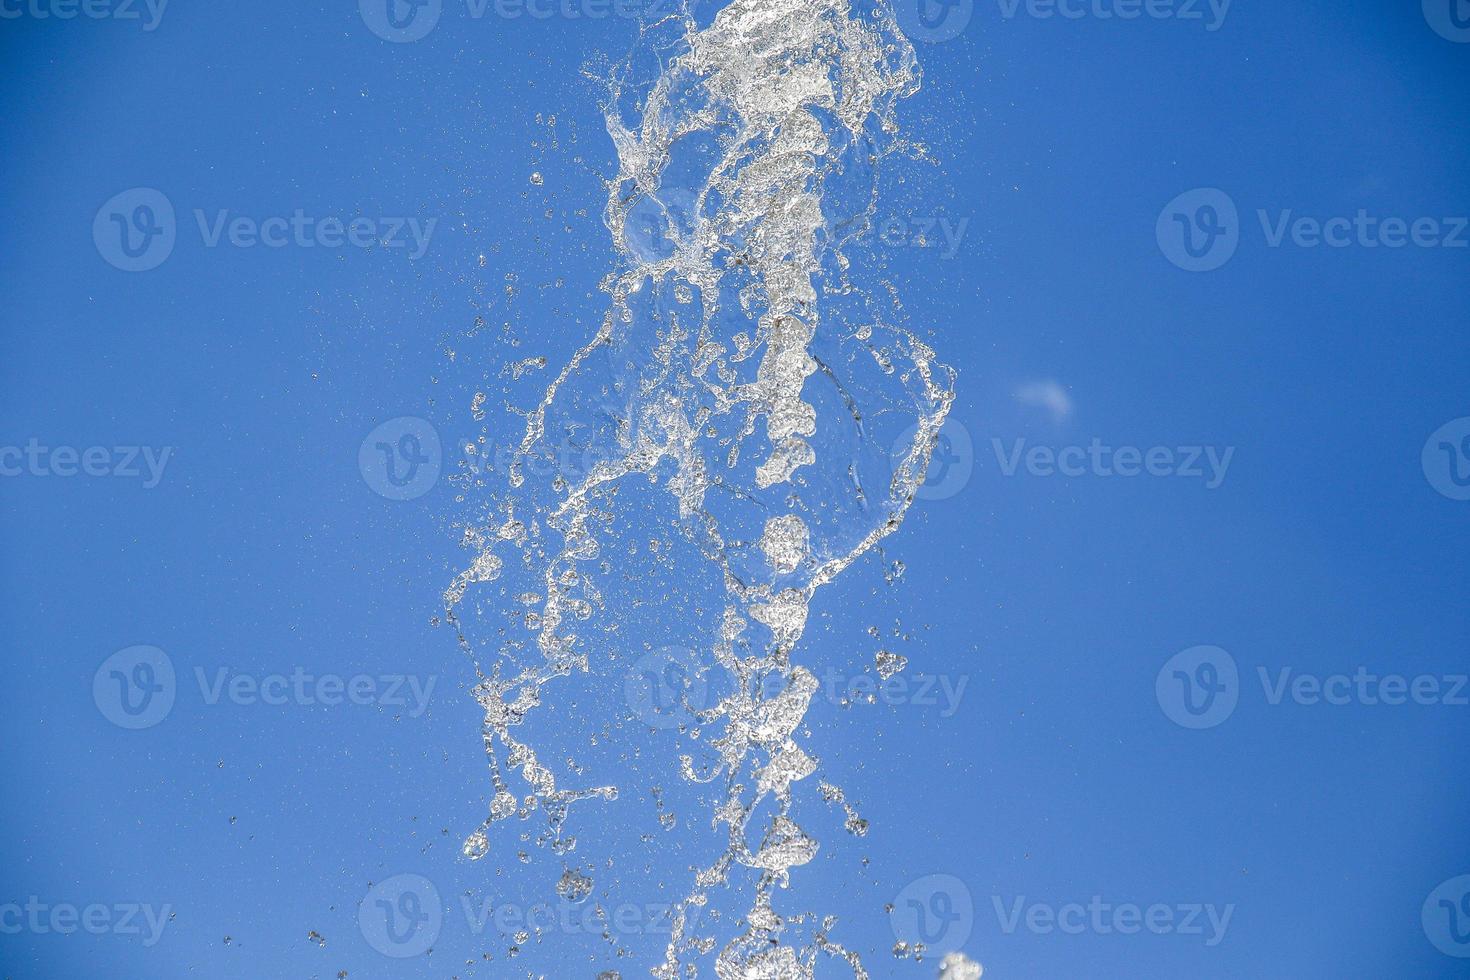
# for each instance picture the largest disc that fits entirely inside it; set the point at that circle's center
(1030, 761)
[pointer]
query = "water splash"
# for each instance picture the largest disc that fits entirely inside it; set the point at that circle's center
(743, 372)
(958, 966)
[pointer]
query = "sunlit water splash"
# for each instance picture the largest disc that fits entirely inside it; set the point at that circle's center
(742, 368)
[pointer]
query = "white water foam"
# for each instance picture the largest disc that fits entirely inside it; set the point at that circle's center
(742, 371)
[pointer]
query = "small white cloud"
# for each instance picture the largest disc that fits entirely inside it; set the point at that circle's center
(1048, 395)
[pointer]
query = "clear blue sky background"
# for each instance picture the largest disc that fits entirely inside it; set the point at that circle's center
(1056, 600)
